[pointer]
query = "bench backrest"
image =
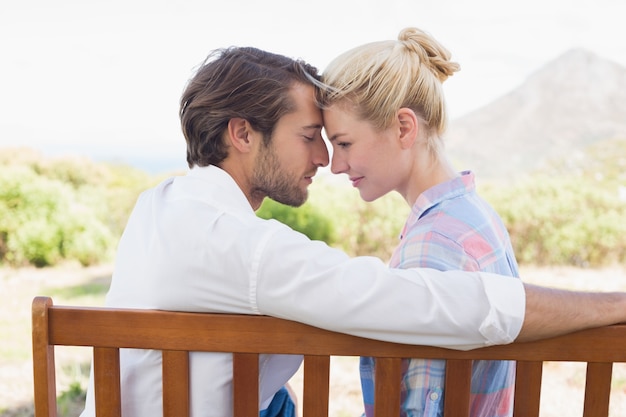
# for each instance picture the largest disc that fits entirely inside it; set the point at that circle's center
(176, 334)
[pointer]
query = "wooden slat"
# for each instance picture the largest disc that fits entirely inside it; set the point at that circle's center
(243, 333)
(316, 386)
(175, 383)
(43, 360)
(598, 389)
(106, 364)
(246, 384)
(527, 389)
(387, 379)
(457, 388)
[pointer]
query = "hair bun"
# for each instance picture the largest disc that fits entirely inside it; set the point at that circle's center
(431, 53)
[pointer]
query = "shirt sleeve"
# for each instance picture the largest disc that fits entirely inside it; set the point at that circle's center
(434, 250)
(310, 282)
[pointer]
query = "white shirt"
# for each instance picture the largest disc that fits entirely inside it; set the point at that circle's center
(193, 243)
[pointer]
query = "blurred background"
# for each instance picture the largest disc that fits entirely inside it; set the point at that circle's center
(103, 78)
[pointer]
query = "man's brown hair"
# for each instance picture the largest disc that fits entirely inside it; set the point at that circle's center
(241, 82)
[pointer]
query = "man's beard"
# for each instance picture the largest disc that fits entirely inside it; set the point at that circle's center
(272, 181)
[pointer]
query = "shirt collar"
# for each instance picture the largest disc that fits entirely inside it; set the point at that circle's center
(463, 184)
(222, 189)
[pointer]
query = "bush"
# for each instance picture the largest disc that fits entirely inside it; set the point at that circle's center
(305, 219)
(55, 209)
(360, 228)
(42, 221)
(73, 209)
(563, 221)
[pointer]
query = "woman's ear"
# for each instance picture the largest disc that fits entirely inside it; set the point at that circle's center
(240, 134)
(409, 127)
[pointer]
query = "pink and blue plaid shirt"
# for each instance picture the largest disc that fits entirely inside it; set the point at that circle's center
(451, 227)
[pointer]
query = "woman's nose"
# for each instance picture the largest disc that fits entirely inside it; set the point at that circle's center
(338, 165)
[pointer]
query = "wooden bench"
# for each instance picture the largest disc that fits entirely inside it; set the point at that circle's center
(176, 334)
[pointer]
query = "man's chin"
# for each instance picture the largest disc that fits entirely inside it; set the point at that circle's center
(292, 200)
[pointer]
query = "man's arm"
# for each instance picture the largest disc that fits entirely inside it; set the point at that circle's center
(552, 312)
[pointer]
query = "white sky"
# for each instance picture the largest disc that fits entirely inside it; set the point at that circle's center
(106, 75)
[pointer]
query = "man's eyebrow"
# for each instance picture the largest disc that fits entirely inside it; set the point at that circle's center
(313, 126)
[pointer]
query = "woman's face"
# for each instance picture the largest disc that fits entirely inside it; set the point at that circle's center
(371, 158)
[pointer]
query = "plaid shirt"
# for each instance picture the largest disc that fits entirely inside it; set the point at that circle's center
(451, 227)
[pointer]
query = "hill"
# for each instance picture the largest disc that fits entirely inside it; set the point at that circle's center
(573, 102)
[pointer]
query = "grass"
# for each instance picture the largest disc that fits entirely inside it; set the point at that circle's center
(70, 285)
(13, 339)
(70, 402)
(91, 293)
(70, 399)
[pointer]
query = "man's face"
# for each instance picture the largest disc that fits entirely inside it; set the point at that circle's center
(285, 168)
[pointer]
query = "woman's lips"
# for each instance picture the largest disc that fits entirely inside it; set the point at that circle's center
(356, 181)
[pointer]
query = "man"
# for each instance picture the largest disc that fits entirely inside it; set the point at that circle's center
(193, 243)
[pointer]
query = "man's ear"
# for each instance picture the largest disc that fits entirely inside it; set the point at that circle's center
(240, 134)
(409, 127)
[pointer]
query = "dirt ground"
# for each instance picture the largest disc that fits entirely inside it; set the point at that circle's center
(562, 389)
(18, 288)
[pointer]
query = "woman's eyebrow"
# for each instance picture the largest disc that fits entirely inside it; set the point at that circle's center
(335, 136)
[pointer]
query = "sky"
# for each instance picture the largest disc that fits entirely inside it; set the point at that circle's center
(103, 77)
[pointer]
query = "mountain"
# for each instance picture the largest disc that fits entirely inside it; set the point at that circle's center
(574, 101)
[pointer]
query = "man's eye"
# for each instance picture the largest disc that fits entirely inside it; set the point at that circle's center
(309, 138)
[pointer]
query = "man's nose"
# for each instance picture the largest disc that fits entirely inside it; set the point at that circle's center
(321, 157)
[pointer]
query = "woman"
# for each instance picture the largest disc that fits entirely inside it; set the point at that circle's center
(384, 114)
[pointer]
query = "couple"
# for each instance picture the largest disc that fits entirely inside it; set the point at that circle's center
(252, 122)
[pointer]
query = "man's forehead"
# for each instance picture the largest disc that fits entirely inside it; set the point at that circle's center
(314, 126)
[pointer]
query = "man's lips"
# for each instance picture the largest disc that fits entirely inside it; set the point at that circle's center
(309, 178)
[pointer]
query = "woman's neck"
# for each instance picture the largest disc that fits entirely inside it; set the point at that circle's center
(427, 174)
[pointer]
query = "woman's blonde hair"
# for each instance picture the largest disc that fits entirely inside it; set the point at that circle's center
(379, 78)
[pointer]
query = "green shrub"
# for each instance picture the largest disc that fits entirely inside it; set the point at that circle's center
(43, 221)
(55, 209)
(305, 219)
(563, 221)
(120, 189)
(360, 228)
